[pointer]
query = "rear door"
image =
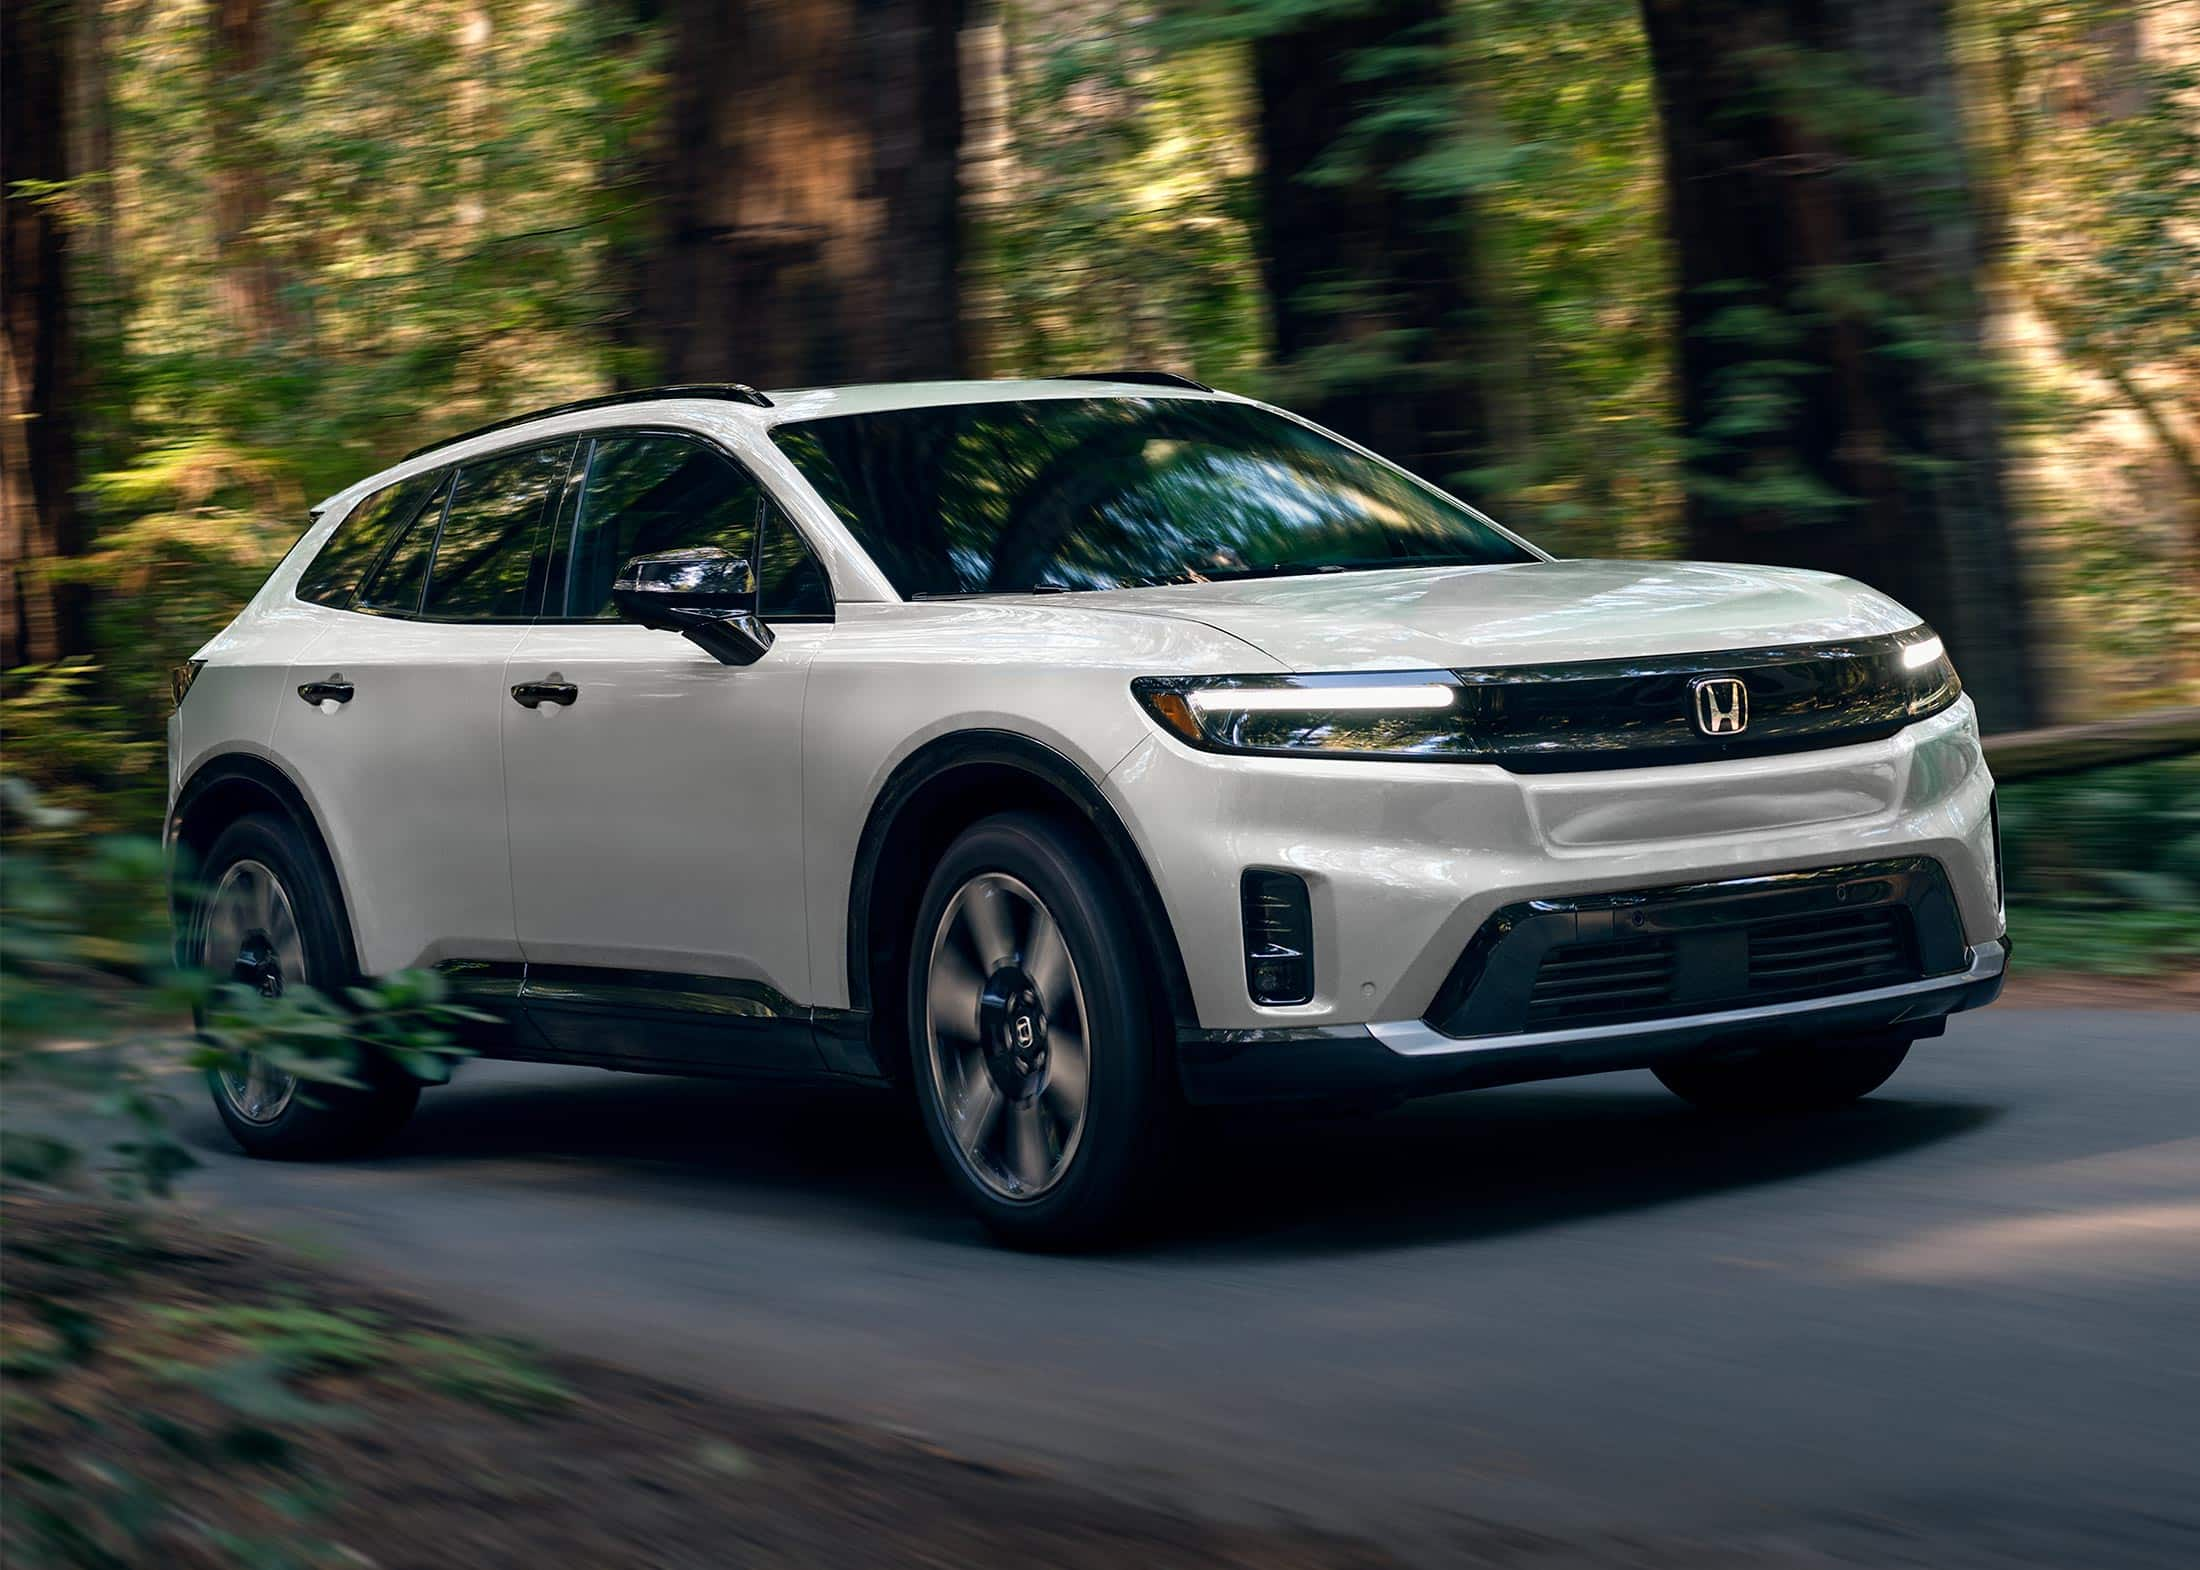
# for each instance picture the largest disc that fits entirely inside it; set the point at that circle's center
(656, 800)
(391, 721)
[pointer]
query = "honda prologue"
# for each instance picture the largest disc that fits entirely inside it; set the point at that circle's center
(1065, 753)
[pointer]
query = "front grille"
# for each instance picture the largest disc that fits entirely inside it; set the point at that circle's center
(1606, 959)
(1584, 983)
(1814, 955)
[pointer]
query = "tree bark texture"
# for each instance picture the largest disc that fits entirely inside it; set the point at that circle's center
(39, 521)
(808, 194)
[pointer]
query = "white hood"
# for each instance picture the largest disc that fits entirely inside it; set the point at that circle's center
(1523, 614)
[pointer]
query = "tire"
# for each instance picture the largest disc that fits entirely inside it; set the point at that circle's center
(266, 914)
(997, 1051)
(1808, 1078)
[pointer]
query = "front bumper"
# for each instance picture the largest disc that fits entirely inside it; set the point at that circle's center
(1412, 1058)
(1405, 862)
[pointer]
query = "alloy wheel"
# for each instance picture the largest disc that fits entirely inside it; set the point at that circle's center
(1006, 1037)
(251, 934)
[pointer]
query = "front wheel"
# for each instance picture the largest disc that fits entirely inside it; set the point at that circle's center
(1035, 1052)
(1809, 1078)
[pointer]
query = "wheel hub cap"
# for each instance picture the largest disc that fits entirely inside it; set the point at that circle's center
(1013, 1029)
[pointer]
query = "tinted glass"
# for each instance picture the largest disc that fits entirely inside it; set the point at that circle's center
(333, 577)
(647, 494)
(793, 581)
(1110, 493)
(397, 583)
(491, 535)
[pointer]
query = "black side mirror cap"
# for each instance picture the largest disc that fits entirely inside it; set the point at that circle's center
(706, 595)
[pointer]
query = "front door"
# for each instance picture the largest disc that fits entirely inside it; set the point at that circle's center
(656, 794)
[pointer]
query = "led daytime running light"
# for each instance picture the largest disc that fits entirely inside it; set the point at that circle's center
(1919, 655)
(1320, 700)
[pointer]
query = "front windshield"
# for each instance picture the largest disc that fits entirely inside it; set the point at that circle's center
(1107, 493)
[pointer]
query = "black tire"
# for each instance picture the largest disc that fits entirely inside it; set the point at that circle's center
(1109, 1167)
(1787, 1079)
(313, 1122)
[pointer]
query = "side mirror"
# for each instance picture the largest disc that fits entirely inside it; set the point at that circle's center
(706, 595)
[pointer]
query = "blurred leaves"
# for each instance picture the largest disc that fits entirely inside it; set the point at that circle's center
(2104, 868)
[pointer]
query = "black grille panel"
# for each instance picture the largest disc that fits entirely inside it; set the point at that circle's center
(1610, 959)
(1811, 956)
(1582, 983)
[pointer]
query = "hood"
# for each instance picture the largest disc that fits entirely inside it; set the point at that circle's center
(1523, 613)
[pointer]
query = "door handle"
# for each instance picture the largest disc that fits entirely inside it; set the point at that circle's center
(320, 692)
(534, 694)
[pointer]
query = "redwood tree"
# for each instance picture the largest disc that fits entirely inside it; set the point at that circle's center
(1375, 294)
(39, 521)
(1836, 399)
(807, 194)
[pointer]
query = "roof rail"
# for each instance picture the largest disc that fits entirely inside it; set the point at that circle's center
(732, 392)
(1141, 378)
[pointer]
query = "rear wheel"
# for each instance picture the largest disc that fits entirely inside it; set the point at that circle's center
(1810, 1078)
(1036, 1055)
(269, 920)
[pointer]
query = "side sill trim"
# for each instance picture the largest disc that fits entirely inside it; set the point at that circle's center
(1416, 1038)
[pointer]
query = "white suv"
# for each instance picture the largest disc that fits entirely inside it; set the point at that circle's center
(1066, 752)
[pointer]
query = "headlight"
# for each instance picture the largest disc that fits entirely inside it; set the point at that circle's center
(1406, 714)
(1928, 676)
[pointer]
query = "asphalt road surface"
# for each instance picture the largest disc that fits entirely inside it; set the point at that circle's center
(1957, 1324)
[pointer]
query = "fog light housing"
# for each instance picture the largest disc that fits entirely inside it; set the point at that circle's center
(1279, 937)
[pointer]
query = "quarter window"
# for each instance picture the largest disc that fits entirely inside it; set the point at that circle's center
(792, 584)
(491, 536)
(395, 587)
(333, 576)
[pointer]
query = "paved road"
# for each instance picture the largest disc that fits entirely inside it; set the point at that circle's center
(1958, 1324)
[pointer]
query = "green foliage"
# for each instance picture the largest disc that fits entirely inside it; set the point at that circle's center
(100, 1008)
(2104, 868)
(1111, 202)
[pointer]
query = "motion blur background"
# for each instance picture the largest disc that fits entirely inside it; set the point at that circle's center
(1907, 289)
(1910, 291)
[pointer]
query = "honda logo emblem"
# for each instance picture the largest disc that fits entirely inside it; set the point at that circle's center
(1721, 705)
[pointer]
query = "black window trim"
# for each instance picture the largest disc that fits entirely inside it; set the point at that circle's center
(561, 549)
(438, 495)
(560, 516)
(397, 532)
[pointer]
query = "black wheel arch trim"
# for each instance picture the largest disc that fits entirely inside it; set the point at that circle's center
(245, 774)
(1047, 767)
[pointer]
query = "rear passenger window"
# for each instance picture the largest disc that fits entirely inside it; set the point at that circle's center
(395, 587)
(492, 536)
(332, 577)
(647, 494)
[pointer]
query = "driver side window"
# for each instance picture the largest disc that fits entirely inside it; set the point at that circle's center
(647, 494)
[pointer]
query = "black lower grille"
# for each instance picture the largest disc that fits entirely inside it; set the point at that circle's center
(1814, 955)
(1582, 983)
(1607, 959)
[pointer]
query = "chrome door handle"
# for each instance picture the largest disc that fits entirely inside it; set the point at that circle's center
(534, 694)
(319, 692)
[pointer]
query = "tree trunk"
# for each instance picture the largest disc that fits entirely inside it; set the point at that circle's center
(808, 197)
(248, 283)
(1835, 395)
(39, 522)
(1374, 289)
